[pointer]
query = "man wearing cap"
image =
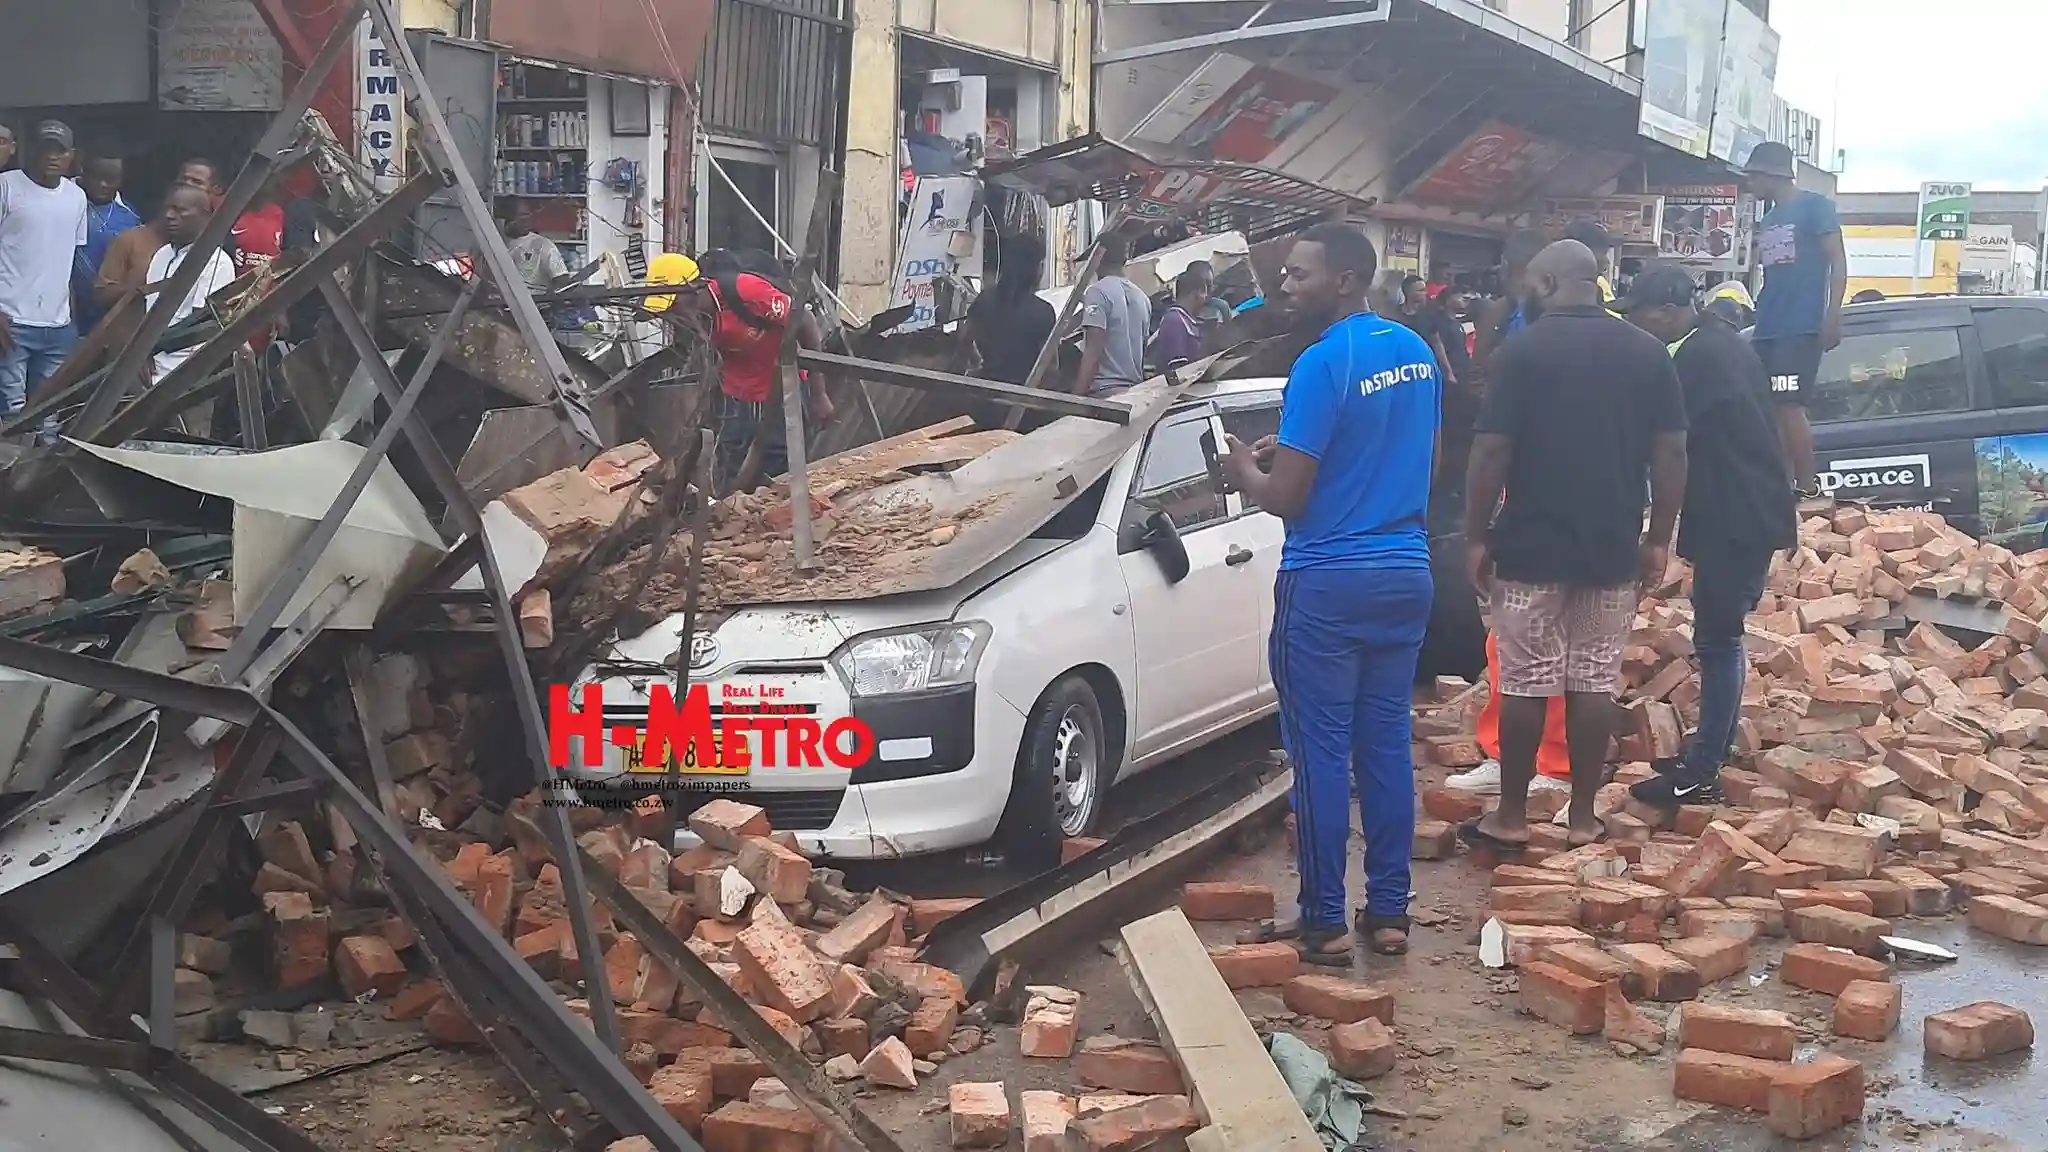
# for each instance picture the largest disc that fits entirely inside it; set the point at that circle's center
(1738, 511)
(1799, 314)
(42, 223)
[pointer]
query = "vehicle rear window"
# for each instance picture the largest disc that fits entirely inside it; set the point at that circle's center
(1874, 375)
(2016, 352)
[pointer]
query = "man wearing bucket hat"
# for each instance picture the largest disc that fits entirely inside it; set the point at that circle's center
(1799, 313)
(1738, 512)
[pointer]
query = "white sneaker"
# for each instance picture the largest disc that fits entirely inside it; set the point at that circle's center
(1544, 783)
(1484, 779)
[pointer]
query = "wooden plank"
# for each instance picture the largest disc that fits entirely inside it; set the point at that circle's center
(1231, 1080)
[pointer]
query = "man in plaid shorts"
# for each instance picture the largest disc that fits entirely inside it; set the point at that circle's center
(1583, 413)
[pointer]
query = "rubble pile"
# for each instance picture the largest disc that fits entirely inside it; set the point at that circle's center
(1884, 769)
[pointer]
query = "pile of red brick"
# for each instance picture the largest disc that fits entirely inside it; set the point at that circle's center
(1881, 772)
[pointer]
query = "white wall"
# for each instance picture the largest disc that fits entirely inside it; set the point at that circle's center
(64, 52)
(607, 225)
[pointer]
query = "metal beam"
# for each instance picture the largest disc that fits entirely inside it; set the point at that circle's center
(86, 1051)
(1236, 35)
(925, 379)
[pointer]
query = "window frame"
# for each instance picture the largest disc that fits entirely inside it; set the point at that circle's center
(1993, 397)
(1131, 523)
(1917, 322)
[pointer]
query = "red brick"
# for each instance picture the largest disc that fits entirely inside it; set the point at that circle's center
(783, 969)
(1127, 1066)
(1558, 900)
(742, 1127)
(1714, 858)
(726, 824)
(848, 1037)
(1591, 962)
(1338, 1000)
(1845, 852)
(1452, 805)
(413, 1001)
(1526, 942)
(1743, 1031)
(733, 1070)
(781, 873)
(447, 1023)
(1978, 1031)
(1256, 965)
(980, 1114)
(684, 1091)
(1808, 1100)
(1140, 1125)
(298, 938)
(1362, 1050)
(1045, 1116)
(1563, 998)
(888, 1065)
(1434, 840)
(1819, 968)
(1724, 1078)
(1836, 927)
(926, 915)
(927, 980)
(1715, 958)
(1734, 923)
(1868, 1010)
(1217, 900)
(931, 1026)
(852, 939)
(493, 893)
(2013, 919)
(645, 866)
(1050, 1025)
(1769, 880)
(1622, 1024)
(1664, 977)
(1848, 900)
(366, 964)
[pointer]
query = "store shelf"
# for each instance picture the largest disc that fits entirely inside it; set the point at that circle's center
(539, 101)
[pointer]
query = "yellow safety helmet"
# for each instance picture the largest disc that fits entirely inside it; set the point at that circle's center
(669, 268)
(1732, 290)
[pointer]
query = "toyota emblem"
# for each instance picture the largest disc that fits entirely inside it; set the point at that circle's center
(703, 650)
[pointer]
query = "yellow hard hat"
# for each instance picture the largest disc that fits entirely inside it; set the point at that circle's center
(1732, 290)
(669, 268)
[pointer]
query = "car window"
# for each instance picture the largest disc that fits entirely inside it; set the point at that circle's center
(1252, 425)
(2016, 351)
(1174, 478)
(1891, 373)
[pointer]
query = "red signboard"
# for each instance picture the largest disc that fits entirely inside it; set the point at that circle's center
(1496, 167)
(1246, 122)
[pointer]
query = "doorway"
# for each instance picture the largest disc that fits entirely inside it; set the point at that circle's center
(726, 221)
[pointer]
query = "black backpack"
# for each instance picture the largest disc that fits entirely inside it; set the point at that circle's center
(726, 265)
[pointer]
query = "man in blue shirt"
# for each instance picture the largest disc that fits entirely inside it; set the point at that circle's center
(107, 215)
(1799, 314)
(1349, 474)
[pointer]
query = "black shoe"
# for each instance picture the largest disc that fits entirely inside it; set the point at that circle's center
(1668, 765)
(1672, 791)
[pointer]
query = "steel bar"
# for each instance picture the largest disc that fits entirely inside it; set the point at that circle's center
(589, 1064)
(693, 584)
(847, 1122)
(63, 1048)
(249, 402)
(275, 796)
(72, 377)
(294, 638)
(122, 680)
(254, 177)
(439, 143)
(284, 587)
(187, 382)
(797, 442)
(1236, 35)
(925, 379)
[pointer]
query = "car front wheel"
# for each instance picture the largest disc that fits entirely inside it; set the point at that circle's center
(1062, 769)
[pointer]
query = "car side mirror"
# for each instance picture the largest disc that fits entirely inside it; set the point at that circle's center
(1214, 463)
(1162, 540)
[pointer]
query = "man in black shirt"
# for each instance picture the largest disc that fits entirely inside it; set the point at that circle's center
(1582, 411)
(1738, 512)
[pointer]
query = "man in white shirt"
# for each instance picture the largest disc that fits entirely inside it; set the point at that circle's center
(186, 213)
(42, 223)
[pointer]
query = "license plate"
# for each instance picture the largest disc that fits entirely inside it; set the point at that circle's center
(636, 760)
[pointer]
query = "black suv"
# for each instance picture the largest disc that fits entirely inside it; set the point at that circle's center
(1941, 403)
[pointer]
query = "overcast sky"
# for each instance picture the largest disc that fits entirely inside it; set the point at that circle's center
(1918, 90)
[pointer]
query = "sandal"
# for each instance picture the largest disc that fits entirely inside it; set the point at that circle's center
(1476, 837)
(1324, 947)
(1388, 935)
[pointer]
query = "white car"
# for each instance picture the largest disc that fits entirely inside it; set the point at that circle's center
(1003, 708)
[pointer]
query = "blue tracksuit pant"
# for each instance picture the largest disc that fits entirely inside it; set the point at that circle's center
(1343, 650)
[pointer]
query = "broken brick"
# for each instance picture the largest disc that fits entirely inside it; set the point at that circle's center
(366, 965)
(1127, 1066)
(1621, 1024)
(1868, 1010)
(1592, 963)
(1978, 1031)
(1338, 1000)
(1049, 1028)
(783, 969)
(684, 1091)
(1664, 977)
(742, 1127)
(1845, 852)
(980, 1114)
(1215, 901)
(1808, 1100)
(1141, 1125)
(1362, 1050)
(926, 915)
(1562, 997)
(727, 824)
(413, 1000)
(1754, 1032)
(1045, 1117)
(852, 939)
(888, 1065)
(931, 1026)
(1819, 968)
(784, 875)
(298, 938)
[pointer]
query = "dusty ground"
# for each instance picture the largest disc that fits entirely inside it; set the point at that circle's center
(1475, 1075)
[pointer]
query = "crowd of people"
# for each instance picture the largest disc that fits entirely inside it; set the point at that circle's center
(1608, 429)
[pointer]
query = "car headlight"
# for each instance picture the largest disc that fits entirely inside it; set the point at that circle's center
(912, 659)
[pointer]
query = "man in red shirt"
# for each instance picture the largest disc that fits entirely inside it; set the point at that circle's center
(258, 235)
(747, 330)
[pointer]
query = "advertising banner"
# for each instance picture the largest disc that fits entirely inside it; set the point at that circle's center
(1231, 109)
(1496, 167)
(1681, 70)
(218, 56)
(1944, 211)
(380, 116)
(1743, 97)
(941, 222)
(1627, 219)
(1704, 225)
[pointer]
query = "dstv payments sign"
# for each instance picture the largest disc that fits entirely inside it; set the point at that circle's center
(1877, 472)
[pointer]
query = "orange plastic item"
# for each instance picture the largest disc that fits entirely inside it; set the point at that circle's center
(1553, 756)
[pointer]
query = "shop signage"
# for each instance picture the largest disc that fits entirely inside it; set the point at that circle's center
(1233, 110)
(941, 222)
(1743, 99)
(1404, 247)
(380, 115)
(1628, 219)
(1944, 211)
(1681, 68)
(217, 56)
(1704, 225)
(1496, 167)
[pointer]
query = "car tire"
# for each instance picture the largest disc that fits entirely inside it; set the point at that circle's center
(1063, 768)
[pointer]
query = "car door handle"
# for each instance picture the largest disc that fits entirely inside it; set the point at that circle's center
(1237, 555)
